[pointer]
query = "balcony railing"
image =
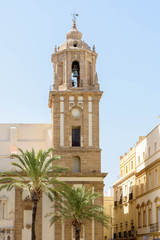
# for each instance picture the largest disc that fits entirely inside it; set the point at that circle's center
(155, 227)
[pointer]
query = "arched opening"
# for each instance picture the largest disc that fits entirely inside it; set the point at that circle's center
(8, 238)
(76, 164)
(75, 74)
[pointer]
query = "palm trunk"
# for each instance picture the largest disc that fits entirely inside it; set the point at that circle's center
(34, 211)
(77, 231)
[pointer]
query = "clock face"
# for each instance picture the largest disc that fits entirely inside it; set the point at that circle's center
(75, 112)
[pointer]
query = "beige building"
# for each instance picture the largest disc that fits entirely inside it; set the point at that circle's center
(109, 207)
(125, 198)
(143, 211)
(148, 185)
(73, 133)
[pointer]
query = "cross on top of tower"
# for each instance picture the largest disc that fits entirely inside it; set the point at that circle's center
(74, 19)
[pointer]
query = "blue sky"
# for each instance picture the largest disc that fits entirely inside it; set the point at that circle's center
(127, 38)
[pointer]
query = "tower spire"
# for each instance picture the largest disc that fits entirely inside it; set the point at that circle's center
(74, 19)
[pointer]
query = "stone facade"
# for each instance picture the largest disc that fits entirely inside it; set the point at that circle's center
(74, 102)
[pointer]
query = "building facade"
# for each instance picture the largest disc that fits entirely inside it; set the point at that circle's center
(148, 186)
(73, 133)
(74, 102)
(125, 198)
(144, 209)
(109, 207)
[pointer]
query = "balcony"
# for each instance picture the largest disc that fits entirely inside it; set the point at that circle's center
(115, 203)
(155, 227)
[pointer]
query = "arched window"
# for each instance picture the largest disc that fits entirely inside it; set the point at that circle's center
(76, 164)
(75, 74)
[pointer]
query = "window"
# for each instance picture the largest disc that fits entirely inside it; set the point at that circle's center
(121, 172)
(131, 192)
(144, 184)
(131, 165)
(149, 216)
(139, 218)
(143, 155)
(155, 147)
(126, 169)
(149, 152)
(76, 137)
(144, 218)
(156, 178)
(120, 197)
(76, 164)
(139, 186)
(149, 181)
(158, 215)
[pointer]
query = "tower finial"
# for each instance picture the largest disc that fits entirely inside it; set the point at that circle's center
(74, 14)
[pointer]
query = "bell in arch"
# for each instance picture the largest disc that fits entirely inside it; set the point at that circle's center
(75, 73)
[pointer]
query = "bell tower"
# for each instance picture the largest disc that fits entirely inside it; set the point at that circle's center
(74, 102)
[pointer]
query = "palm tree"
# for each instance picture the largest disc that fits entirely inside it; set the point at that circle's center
(78, 206)
(35, 173)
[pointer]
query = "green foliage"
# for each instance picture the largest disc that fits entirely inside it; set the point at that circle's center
(78, 206)
(34, 172)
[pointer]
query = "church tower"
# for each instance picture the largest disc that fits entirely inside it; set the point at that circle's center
(74, 102)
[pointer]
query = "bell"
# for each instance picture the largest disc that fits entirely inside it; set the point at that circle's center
(75, 74)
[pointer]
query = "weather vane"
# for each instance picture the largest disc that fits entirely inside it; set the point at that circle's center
(74, 16)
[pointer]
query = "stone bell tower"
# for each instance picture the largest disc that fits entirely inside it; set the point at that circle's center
(74, 102)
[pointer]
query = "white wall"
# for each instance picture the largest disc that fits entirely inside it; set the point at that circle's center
(150, 139)
(24, 136)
